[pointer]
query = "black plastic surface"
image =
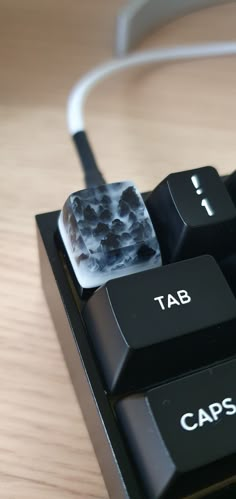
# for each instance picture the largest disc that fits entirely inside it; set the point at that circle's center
(193, 214)
(188, 427)
(151, 326)
(117, 466)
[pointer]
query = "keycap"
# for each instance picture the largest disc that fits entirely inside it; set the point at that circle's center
(182, 434)
(160, 323)
(193, 214)
(107, 232)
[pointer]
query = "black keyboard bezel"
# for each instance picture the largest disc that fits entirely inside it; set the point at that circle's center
(116, 466)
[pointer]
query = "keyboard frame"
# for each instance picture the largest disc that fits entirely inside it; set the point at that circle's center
(96, 405)
(65, 305)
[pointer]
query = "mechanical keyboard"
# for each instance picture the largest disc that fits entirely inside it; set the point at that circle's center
(142, 291)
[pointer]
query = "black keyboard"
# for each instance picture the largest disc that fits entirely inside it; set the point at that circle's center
(142, 290)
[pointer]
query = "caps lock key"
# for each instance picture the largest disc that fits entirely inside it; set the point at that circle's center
(182, 434)
(157, 324)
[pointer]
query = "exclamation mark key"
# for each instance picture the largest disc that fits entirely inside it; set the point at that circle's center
(193, 214)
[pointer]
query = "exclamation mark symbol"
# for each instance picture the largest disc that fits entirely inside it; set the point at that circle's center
(196, 183)
(205, 203)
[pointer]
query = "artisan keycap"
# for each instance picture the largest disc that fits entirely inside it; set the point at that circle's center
(162, 322)
(107, 232)
(182, 434)
(193, 214)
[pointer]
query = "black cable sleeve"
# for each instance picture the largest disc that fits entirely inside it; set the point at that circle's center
(93, 176)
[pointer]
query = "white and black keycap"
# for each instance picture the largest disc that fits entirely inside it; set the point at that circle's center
(106, 233)
(160, 323)
(193, 214)
(182, 434)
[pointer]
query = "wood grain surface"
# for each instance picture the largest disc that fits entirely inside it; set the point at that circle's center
(143, 125)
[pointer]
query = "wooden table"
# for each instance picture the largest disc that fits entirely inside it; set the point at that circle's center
(143, 125)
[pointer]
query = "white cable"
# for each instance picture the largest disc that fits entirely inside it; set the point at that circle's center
(137, 18)
(77, 98)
